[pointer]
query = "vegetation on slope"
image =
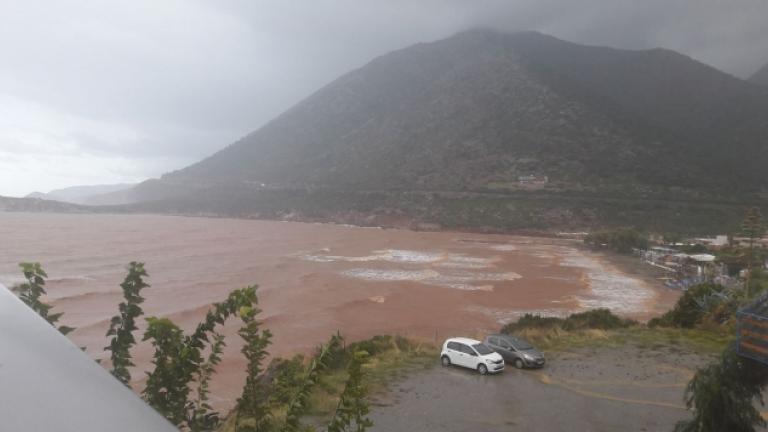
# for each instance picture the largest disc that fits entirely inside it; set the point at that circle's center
(602, 319)
(442, 132)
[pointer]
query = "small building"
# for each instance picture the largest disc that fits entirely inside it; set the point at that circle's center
(758, 242)
(683, 270)
(717, 241)
(532, 180)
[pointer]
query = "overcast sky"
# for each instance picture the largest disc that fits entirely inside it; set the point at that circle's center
(100, 91)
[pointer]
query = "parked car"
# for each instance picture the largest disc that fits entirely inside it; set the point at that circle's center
(516, 351)
(472, 354)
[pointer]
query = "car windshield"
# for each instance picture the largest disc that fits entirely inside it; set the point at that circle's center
(521, 345)
(482, 349)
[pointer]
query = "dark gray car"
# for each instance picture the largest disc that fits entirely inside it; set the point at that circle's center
(515, 351)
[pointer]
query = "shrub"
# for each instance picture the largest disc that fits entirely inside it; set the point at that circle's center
(352, 409)
(123, 325)
(722, 396)
(601, 319)
(698, 302)
(287, 376)
(31, 292)
(596, 319)
(529, 321)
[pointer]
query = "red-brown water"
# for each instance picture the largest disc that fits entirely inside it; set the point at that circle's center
(313, 279)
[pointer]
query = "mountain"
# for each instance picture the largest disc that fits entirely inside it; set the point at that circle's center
(88, 195)
(496, 124)
(32, 204)
(760, 77)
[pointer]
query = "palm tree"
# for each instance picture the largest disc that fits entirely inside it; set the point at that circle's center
(752, 228)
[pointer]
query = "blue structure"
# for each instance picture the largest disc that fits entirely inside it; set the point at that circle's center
(752, 330)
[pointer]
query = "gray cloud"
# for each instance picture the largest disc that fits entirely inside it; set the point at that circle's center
(147, 86)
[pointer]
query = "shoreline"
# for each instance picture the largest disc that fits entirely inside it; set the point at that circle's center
(650, 275)
(314, 279)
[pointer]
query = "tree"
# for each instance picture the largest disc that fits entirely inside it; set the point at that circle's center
(200, 415)
(299, 404)
(253, 403)
(722, 396)
(122, 326)
(178, 359)
(167, 385)
(352, 407)
(695, 304)
(33, 289)
(180, 366)
(752, 228)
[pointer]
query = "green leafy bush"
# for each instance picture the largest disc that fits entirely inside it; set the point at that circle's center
(602, 319)
(722, 396)
(31, 292)
(123, 325)
(699, 301)
(530, 321)
(286, 377)
(352, 409)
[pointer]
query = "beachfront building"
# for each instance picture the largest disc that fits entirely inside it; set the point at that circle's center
(716, 242)
(684, 270)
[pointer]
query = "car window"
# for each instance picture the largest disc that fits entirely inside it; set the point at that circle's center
(493, 341)
(467, 350)
(482, 348)
(522, 345)
(504, 344)
(454, 346)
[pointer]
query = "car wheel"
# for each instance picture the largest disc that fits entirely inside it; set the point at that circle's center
(518, 363)
(446, 361)
(483, 369)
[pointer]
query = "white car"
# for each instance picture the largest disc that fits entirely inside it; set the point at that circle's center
(471, 354)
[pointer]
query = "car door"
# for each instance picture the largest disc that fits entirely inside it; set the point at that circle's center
(495, 344)
(455, 353)
(492, 342)
(468, 356)
(507, 351)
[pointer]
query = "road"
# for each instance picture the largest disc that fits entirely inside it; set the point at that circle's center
(620, 389)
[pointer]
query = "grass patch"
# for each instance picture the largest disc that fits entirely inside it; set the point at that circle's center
(600, 328)
(596, 319)
(694, 340)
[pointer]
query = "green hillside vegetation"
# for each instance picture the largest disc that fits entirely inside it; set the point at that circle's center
(621, 240)
(491, 212)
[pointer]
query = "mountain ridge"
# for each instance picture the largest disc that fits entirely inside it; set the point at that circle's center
(85, 194)
(482, 110)
(760, 77)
